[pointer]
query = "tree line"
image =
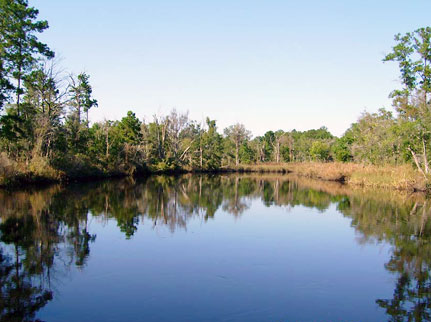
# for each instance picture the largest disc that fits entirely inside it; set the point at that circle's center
(45, 129)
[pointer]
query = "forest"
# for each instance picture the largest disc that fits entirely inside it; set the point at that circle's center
(46, 134)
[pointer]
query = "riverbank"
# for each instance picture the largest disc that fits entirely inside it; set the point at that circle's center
(403, 177)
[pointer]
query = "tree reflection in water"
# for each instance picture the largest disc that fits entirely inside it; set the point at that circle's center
(44, 232)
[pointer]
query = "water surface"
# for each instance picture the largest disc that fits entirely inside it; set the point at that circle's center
(214, 248)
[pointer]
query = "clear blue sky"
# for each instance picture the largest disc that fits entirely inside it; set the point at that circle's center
(267, 64)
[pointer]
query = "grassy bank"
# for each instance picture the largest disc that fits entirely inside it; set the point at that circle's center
(39, 170)
(403, 177)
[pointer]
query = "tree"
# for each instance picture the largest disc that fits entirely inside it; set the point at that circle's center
(129, 130)
(280, 138)
(247, 154)
(81, 101)
(177, 124)
(19, 47)
(45, 95)
(258, 146)
(320, 151)
(237, 134)
(297, 145)
(81, 95)
(5, 84)
(268, 145)
(210, 147)
(342, 147)
(158, 141)
(413, 54)
(374, 138)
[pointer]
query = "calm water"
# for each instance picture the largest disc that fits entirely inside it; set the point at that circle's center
(214, 248)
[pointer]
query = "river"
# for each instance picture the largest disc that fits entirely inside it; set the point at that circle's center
(214, 248)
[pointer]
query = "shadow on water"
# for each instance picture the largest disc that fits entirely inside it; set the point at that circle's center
(44, 233)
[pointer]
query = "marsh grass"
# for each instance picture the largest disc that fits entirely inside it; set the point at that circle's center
(403, 177)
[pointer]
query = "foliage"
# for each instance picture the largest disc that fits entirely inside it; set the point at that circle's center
(19, 46)
(413, 54)
(45, 129)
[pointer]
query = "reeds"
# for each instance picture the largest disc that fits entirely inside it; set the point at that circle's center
(402, 177)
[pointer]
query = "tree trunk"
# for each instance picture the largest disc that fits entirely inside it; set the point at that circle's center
(48, 146)
(18, 89)
(164, 128)
(425, 91)
(78, 98)
(182, 157)
(277, 157)
(18, 93)
(415, 158)
(236, 153)
(107, 142)
(425, 156)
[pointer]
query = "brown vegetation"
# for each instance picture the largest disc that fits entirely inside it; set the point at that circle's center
(36, 170)
(402, 177)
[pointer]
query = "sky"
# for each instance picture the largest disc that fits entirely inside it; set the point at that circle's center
(266, 64)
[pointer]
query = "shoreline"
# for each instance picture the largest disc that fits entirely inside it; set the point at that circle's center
(403, 177)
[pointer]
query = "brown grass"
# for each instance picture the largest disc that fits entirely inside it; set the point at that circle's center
(17, 173)
(402, 177)
(335, 188)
